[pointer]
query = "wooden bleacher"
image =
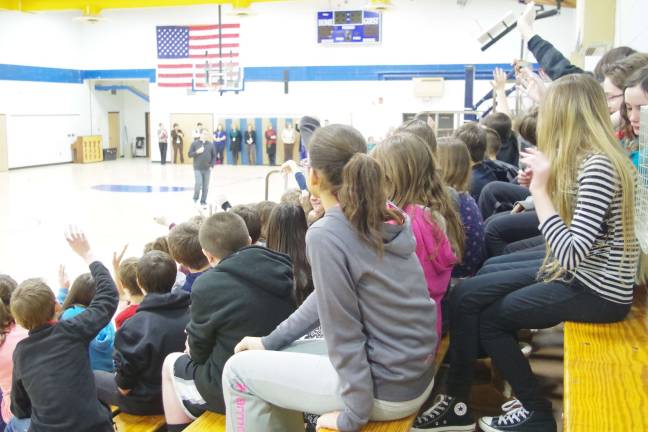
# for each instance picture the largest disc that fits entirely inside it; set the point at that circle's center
(131, 423)
(216, 423)
(606, 373)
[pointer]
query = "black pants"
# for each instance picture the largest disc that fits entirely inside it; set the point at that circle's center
(505, 228)
(536, 305)
(533, 243)
(288, 152)
(163, 150)
(467, 300)
(108, 393)
(201, 187)
(272, 154)
(497, 197)
(235, 156)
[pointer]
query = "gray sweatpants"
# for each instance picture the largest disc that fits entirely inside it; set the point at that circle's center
(267, 391)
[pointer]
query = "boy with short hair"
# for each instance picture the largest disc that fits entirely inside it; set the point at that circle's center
(247, 291)
(252, 220)
(156, 330)
(509, 151)
(474, 137)
(184, 247)
(52, 378)
(127, 285)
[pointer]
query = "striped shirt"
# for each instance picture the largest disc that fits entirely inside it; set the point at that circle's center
(591, 248)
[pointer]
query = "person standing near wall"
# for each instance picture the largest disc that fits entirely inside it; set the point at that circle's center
(163, 138)
(177, 138)
(220, 139)
(235, 143)
(204, 155)
(288, 138)
(197, 132)
(271, 144)
(250, 140)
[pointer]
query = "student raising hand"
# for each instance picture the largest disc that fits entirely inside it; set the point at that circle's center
(79, 243)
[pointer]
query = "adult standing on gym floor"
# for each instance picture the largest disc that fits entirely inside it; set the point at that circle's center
(250, 141)
(163, 138)
(204, 155)
(177, 139)
(288, 138)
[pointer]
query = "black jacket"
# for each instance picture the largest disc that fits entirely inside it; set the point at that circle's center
(52, 379)
(250, 135)
(509, 152)
(175, 135)
(235, 140)
(551, 60)
(156, 330)
(204, 160)
(248, 293)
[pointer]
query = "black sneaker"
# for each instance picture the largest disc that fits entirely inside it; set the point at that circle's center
(519, 420)
(446, 415)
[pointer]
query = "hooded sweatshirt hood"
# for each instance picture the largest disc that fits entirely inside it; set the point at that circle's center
(101, 346)
(167, 301)
(262, 268)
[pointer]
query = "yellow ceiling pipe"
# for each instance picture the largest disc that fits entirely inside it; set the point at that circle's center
(94, 7)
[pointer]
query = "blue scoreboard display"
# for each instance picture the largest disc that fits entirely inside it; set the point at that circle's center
(351, 27)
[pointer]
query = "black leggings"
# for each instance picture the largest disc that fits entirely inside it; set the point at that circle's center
(498, 197)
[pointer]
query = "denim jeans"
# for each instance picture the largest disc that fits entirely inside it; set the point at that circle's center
(18, 425)
(202, 184)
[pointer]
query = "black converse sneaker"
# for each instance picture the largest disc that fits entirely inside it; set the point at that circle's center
(519, 419)
(447, 414)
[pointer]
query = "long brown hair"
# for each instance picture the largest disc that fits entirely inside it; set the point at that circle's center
(454, 163)
(82, 292)
(338, 153)
(619, 74)
(412, 177)
(287, 234)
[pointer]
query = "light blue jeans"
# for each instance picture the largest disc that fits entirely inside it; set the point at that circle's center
(18, 425)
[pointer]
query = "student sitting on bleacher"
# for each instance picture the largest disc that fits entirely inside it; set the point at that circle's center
(370, 298)
(474, 137)
(184, 247)
(248, 290)
(52, 378)
(77, 300)
(10, 334)
(129, 290)
(156, 330)
(414, 184)
(251, 218)
(584, 196)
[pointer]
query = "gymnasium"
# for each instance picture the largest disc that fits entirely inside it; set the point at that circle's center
(319, 215)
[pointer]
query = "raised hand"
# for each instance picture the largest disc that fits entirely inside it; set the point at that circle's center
(525, 22)
(499, 80)
(64, 280)
(79, 243)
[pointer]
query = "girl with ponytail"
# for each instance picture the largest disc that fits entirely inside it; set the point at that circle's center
(370, 298)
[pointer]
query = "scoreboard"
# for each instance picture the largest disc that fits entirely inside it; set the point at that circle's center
(348, 27)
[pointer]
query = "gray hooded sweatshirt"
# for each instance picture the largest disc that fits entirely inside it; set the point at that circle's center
(375, 311)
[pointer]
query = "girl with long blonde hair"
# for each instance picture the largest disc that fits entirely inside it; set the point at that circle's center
(583, 186)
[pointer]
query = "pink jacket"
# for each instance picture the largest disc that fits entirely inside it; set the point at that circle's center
(435, 254)
(15, 335)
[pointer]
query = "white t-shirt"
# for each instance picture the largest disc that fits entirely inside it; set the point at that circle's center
(288, 136)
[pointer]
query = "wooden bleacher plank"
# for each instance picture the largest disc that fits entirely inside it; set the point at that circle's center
(208, 422)
(606, 374)
(132, 423)
(216, 423)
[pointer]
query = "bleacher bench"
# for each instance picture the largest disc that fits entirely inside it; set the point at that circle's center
(606, 374)
(216, 423)
(131, 423)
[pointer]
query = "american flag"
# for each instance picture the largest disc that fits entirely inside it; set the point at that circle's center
(184, 52)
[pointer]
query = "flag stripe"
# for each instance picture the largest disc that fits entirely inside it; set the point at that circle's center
(213, 46)
(174, 66)
(178, 75)
(213, 27)
(211, 56)
(213, 36)
(166, 84)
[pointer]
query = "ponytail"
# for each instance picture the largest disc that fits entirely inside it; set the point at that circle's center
(363, 199)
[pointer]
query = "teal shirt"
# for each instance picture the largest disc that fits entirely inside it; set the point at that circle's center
(101, 347)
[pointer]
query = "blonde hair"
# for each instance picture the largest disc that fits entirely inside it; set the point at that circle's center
(412, 177)
(573, 122)
(454, 163)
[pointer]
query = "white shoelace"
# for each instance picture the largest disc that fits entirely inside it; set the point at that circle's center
(513, 416)
(435, 410)
(511, 405)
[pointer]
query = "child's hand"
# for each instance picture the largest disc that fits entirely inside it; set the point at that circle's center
(249, 344)
(499, 80)
(79, 243)
(524, 177)
(117, 259)
(123, 392)
(525, 22)
(328, 421)
(541, 168)
(64, 280)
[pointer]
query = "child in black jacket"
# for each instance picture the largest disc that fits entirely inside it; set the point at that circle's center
(52, 377)
(156, 330)
(247, 291)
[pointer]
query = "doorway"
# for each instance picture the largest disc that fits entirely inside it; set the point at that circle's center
(4, 159)
(114, 136)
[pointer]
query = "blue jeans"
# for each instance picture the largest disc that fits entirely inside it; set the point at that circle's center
(202, 183)
(18, 425)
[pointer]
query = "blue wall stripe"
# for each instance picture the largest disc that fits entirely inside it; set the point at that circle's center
(40, 74)
(262, 74)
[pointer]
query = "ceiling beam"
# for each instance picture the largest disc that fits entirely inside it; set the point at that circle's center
(96, 6)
